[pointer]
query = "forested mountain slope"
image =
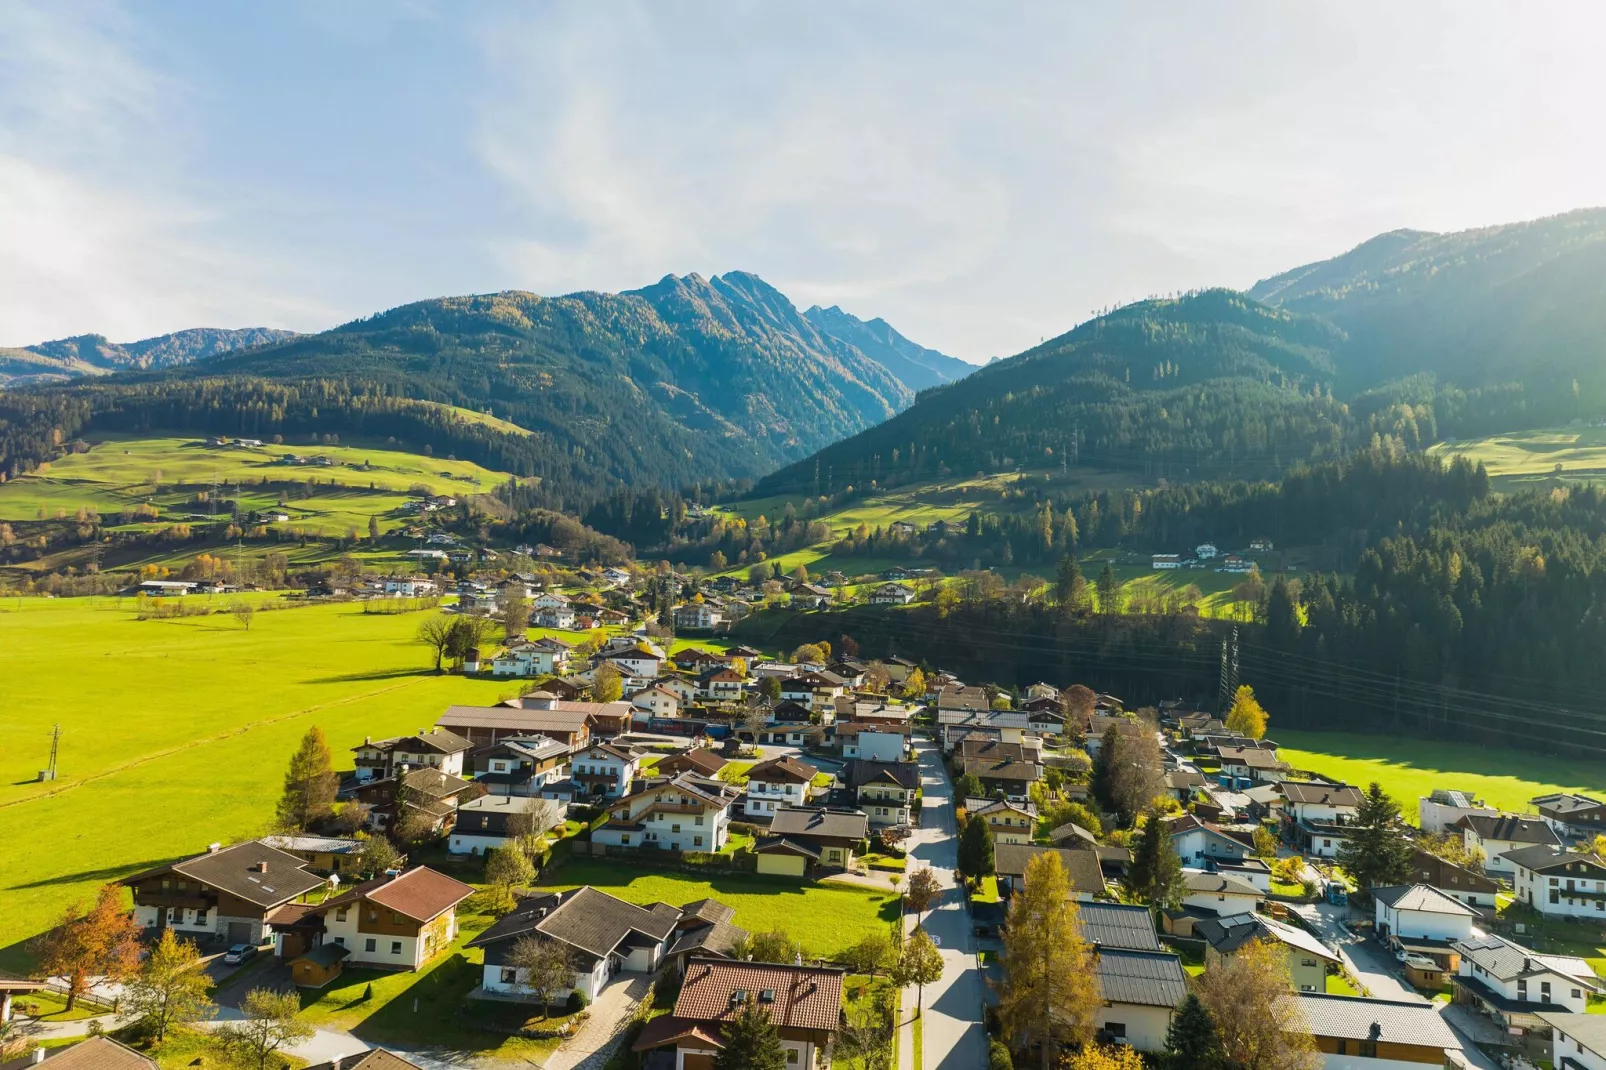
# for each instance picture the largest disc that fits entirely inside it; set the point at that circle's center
(917, 366)
(92, 354)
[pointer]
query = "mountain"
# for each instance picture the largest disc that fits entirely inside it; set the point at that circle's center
(1411, 335)
(687, 380)
(92, 354)
(1521, 301)
(915, 365)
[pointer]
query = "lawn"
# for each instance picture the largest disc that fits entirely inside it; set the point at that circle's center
(1524, 458)
(175, 733)
(824, 919)
(1339, 985)
(1409, 768)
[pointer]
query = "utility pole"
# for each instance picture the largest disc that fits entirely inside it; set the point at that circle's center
(1233, 686)
(55, 747)
(1221, 689)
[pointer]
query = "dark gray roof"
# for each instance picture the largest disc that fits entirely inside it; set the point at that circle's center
(1565, 802)
(862, 771)
(1332, 794)
(253, 871)
(593, 921)
(1229, 933)
(1147, 978)
(1385, 1020)
(1118, 925)
(1541, 857)
(706, 910)
(1082, 866)
(1589, 1030)
(1220, 884)
(796, 822)
(1510, 827)
(1503, 959)
(719, 938)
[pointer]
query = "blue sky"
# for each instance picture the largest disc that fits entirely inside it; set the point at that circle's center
(981, 175)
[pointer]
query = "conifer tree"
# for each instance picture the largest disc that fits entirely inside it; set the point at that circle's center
(1192, 1041)
(1048, 997)
(976, 849)
(1375, 850)
(310, 784)
(751, 1041)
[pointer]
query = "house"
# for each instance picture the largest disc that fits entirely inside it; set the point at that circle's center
(322, 854)
(810, 595)
(1196, 841)
(818, 690)
(1205, 551)
(1443, 807)
(539, 713)
(699, 760)
(685, 690)
(685, 813)
(885, 791)
(520, 765)
(656, 701)
(489, 822)
(605, 936)
(540, 657)
(1359, 1034)
(698, 616)
(958, 697)
(1571, 815)
(1459, 883)
(168, 587)
(1008, 726)
(432, 748)
(604, 771)
(1219, 894)
(226, 893)
(777, 784)
(1012, 776)
(802, 840)
(1138, 991)
(705, 931)
(1119, 925)
(1421, 920)
(422, 791)
(1009, 822)
(721, 684)
(871, 741)
(1513, 986)
(891, 594)
(1497, 835)
(562, 619)
(1082, 867)
(1317, 814)
(1309, 960)
(1243, 767)
(93, 1053)
(639, 663)
(1165, 561)
(1559, 883)
(1260, 546)
(803, 1002)
(1577, 1041)
(398, 921)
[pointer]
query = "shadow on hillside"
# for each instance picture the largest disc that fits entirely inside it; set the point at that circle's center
(108, 873)
(358, 677)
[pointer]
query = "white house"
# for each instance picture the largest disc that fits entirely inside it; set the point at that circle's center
(1376, 1034)
(1196, 840)
(605, 936)
(1319, 814)
(1205, 551)
(408, 586)
(1421, 912)
(656, 701)
(881, 743)
(643, 664)
(1138, 992)
(1220, 893)
(1503, 833)
(1514, 986)
(777, 784)
(419, 912)
(1559, 883)
(1166, 561)
(686, 813)
(488, 822)
(434, 748)
(604, 771)
(891, 594)
(698, 616)
(1577, 1041)
(1444, 807)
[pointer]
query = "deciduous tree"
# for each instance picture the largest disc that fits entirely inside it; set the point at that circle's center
(607, 683)
(1248, 998)
(922, 890)
(377, 856)
(1104, 1057)
(872, 954)
(1247, 717)
(310, 784)
(507, 869)
(919, 964)
(244, 612)
(772, 946)
(515, 613)
(545, 967)
(170, 988)
(271, 1022)
(435, 632)
(1049, 996)
(101, 942)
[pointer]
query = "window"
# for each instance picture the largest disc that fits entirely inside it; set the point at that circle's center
(1367, 1049)
(791, 1056)
(1115, 1030)
(370, 944)
(624, 838)
(510, 976)
(1544, 991)
(200, 916)
(395, 947)
(340, 913)
(696, 841)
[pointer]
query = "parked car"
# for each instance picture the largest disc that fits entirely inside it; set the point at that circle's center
(240, 953)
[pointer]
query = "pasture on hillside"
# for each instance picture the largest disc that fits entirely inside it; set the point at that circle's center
(1518, 459)
(1411, 768)
(176, 733)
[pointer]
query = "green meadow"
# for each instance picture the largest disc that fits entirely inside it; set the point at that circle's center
(175, 733)
(1525, 458)
(1411, 768)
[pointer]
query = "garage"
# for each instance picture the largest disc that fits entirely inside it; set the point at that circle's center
(240, 933)
(783, 858)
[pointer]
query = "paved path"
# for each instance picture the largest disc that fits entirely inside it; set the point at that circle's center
(954, 1036)
(594, 1044)
(1371, 966)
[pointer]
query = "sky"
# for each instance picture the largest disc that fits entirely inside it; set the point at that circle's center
(980, 175)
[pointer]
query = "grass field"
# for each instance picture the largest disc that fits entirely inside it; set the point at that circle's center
(1409, 769)
(824, 918)
(176, 733)
(1526, 458)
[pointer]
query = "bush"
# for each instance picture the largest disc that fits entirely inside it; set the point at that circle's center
(998, 1057)
(575, 1003)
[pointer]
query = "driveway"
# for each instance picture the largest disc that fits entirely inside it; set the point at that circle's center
(594, 1044)
(954, 1036)
(1372, 966)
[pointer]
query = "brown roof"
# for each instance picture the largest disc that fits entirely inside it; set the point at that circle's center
(570, 717)
(377, 1059)
(990, 748)
(433, 783)
(783, 769)
(1299, 791)
(100, 1053)
(1082, 867)
(420, 894)
(1004, 770)
(794, 997)
(252, 871)
(697, 760)
(668, 1029)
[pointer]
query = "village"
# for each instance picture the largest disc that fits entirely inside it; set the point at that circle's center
(1182, 860)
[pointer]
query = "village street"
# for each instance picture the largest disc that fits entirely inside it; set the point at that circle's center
(954, 1038)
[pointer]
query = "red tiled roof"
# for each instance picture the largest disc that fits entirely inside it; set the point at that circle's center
(420, 894)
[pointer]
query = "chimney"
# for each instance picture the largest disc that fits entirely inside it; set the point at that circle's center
(213, 848)
(262, 867)
(38, 1056)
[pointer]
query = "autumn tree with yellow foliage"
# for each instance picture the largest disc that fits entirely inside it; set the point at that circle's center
(1049, 995)
(1247, 717)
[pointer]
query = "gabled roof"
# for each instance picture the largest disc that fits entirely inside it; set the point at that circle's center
(862, 771)
(420, 894)
(318, 844)
(585, 918)
(719, 938)
(1542, 858)
(1507, 961)
(783, 770)
(1564, 802)
(694, 759)
(1423, 898)
(1382, 1020)
(568, 717)
(253, 871)
(1588, 1031)
(374, 1059)
(1229, 933)
(98, 1053)
(1299, 791)
(1118, 925)
(800, 997)
(1509, 827)
(1219, 884)
(796, 822)
(1082, 867)
(1146, 978)
(1072, 831)
(983, 807)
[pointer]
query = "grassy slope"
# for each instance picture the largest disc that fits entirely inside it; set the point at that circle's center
(1523, 458)
(176, 733)
(824, 918)
(1409, 769)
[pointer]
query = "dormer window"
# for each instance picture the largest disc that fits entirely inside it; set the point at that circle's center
(738, 997)
(767, 995)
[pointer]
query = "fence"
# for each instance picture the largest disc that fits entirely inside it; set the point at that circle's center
(664, 858)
